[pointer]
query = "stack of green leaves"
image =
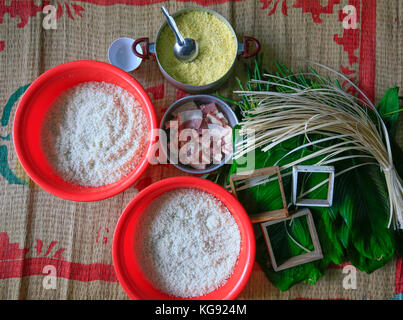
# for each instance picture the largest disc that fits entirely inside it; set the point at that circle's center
(355, 228)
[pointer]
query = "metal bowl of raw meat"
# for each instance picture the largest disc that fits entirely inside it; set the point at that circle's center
(198, 113)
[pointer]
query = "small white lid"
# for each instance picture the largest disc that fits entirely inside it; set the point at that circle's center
(121, 54)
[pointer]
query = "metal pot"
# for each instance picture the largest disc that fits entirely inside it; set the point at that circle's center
(150, 49)
(199, 99)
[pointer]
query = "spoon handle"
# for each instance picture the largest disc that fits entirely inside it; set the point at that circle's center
(173, 26)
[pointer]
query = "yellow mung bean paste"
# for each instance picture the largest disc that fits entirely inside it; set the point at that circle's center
(217, 48)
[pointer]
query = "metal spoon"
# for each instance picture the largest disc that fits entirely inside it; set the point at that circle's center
(185, 49)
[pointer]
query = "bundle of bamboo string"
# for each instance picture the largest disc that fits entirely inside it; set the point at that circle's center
(351, 122)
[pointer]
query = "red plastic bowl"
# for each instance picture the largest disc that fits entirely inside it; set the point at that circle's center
(37, 100)
(130, 275)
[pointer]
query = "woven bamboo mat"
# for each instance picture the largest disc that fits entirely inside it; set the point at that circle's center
(39, 230)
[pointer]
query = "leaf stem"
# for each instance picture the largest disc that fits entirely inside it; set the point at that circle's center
(392, 113)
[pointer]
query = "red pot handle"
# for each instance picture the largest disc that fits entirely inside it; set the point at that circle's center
(246, 46)
(146, 52)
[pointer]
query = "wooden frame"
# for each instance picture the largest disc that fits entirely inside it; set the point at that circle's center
(312, 202)
(297, 260)
(264, 216)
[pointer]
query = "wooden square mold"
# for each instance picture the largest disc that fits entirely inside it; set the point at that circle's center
(312, 202)
(316, 254)
(265, 172)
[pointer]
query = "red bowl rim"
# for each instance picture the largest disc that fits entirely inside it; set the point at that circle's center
(24, 104)
(196, 183)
